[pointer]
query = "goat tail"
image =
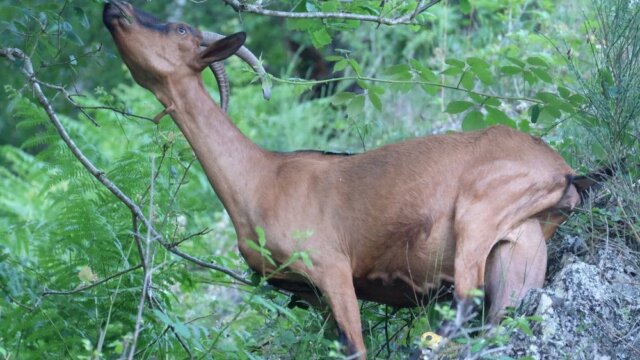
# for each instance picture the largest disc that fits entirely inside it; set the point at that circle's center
(585, 182)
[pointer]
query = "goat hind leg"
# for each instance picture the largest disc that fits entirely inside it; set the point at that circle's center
(515, 266)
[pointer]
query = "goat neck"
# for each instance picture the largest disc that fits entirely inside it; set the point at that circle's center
(230, 160)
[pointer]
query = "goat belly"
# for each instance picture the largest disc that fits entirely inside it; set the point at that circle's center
(399, 291)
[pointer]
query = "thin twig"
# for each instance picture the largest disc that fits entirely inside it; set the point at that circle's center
(148, 258)
(26, 307)
(191, 236)
(294, 81)
(87, 287)
(138, 241)
(405, 19)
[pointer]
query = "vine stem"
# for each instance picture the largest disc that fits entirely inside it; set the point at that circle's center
(26, 67)
(302, 82)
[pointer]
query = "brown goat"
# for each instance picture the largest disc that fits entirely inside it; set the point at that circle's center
(388, 225)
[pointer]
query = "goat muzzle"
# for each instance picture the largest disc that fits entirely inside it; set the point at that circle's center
(115, 10)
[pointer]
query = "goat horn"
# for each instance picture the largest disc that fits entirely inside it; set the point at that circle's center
(247, 56)
(223, 83)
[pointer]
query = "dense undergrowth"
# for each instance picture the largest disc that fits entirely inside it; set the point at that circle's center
(567, 71)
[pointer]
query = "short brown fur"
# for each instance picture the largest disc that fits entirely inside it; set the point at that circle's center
(389, 225)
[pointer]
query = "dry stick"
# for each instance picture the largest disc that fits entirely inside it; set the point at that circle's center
(401, 20)
(27, 69)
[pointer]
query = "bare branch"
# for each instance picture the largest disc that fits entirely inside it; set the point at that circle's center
(14, 54)
(147, 257)
(87, 287)
(405, 19)
(189, 237)
(138, 241)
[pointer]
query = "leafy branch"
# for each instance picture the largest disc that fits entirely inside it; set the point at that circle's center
(26, 67)
(404, 19)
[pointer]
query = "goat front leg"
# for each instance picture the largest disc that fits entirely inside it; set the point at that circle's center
(515, 266)
(336, 284)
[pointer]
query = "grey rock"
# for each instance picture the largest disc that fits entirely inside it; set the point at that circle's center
(590, 310)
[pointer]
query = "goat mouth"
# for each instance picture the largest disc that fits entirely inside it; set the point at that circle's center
(116, 11)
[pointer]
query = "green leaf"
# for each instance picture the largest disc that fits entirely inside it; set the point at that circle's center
(320, 38)
(510, 70)
(564, 92)
(542, 74)
(328, 6)
(548, 98)
(306, 260)
(399, 72)
(537, 61)
(492, 101)
(452, 71)
(529, 77)
(162, 317)
(467, 80)
(333, 58)
(519, 63)
(430, 89)
(355, 106)
(182, 330)
(342, 98)
(340, 65)
(262, 237)
(356, 67)
(478, 98)
(535, 113)
(379, 90)
(455, 63)
(478, 345)
(474, 120)
(465, 7)
(496, 116)
(477, 62)
(375, 100)
(577, 99)
(310, 7)
(483, 74)
(553, 110)
(524, 326)
(425, 73)
(370, 9)
(456, 107)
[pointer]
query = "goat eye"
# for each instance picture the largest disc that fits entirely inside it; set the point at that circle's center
(181, 30)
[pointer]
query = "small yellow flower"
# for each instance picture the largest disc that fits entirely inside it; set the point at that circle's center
(431, 340)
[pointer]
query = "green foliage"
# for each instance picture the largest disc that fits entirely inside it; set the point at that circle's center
(467, 64)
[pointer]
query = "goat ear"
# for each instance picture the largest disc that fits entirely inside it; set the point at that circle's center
(221, 49)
